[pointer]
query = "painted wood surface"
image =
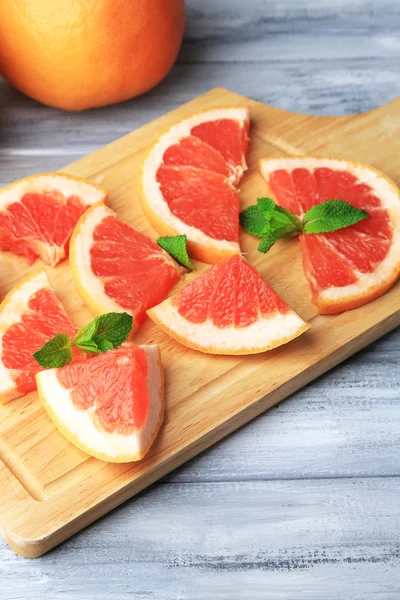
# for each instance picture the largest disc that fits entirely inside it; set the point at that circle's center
(343, 430)
(206, 397)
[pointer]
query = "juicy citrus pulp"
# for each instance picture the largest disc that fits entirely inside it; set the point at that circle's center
(116, 267)
(38, 214)
(348, 267)
(229, 309)
(111, 406)
(189, 181)
(30, 315)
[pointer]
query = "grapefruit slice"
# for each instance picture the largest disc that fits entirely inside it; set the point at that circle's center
(117, 268)
(349, 267)
(189, 181)
(229, 309)
(110, 406)
(30, 315)
(38, 214)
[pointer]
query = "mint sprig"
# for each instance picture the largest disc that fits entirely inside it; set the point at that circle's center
(55, 353)
(104, 333)
(266, 217)
(270, 221)
(332, 215)
(175, 245)
(100, 335)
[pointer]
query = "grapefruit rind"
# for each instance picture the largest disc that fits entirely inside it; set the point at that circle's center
(11, 309)
(262, 335)
(78, 427)
(156, 209)
(68, 185)
(369, 286)
(89, 286)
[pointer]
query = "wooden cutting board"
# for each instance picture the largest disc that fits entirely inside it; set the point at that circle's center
(49, 489)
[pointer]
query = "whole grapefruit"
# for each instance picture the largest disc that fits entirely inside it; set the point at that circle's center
(78, 54)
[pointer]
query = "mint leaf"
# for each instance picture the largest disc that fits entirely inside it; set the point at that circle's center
(113, 327)
(270, 221)
(275, 213)
(331, 216)
(55, 353)
(289, 216)
(86, 333)
(175, 245)
(100, 335)
(105, 345)
(266, 216)
(104, 333)
(266, 205)
(253, 220)
(268, 241)
(89, 346)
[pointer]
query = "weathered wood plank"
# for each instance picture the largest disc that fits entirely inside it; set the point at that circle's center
(329, 539)
(308, 57)
(17, 166)
(292, 16)
(346, 424)
(303, 540)
(318, 88)
(195, 418)
(266, 30)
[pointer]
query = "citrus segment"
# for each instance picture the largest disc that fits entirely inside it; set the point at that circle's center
(323, 265)
(349, 267)
(192, 152)
(229, 309)
(117, 268)
(187, 188)
(30, 315)
(110, 406)
(228, 136)
(189, 181)
(38, 214)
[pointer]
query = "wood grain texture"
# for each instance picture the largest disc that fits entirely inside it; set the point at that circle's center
(62, 489)
(309, 56)
(263, 540)
(314, 57)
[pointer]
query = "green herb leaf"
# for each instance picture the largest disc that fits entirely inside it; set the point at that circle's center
(331, 216)
(89, 346)
(175, 245)
(270, 222)
(266, 205)
(290, 217)
(100, 335)
(86, 333)
(113, 327)
(55, 353)
(253, 220)
(104, 333)
(268, 241)
(105, 345)
(266, 216)
(276, 215)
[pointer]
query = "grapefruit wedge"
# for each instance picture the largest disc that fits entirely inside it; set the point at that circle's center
(229, 309)
(349, 267)
(30, 315)
(189, 181)
(38, 214)
(117, 268)
(110, 406)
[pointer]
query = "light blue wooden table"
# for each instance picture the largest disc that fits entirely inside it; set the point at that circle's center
(303, 503)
